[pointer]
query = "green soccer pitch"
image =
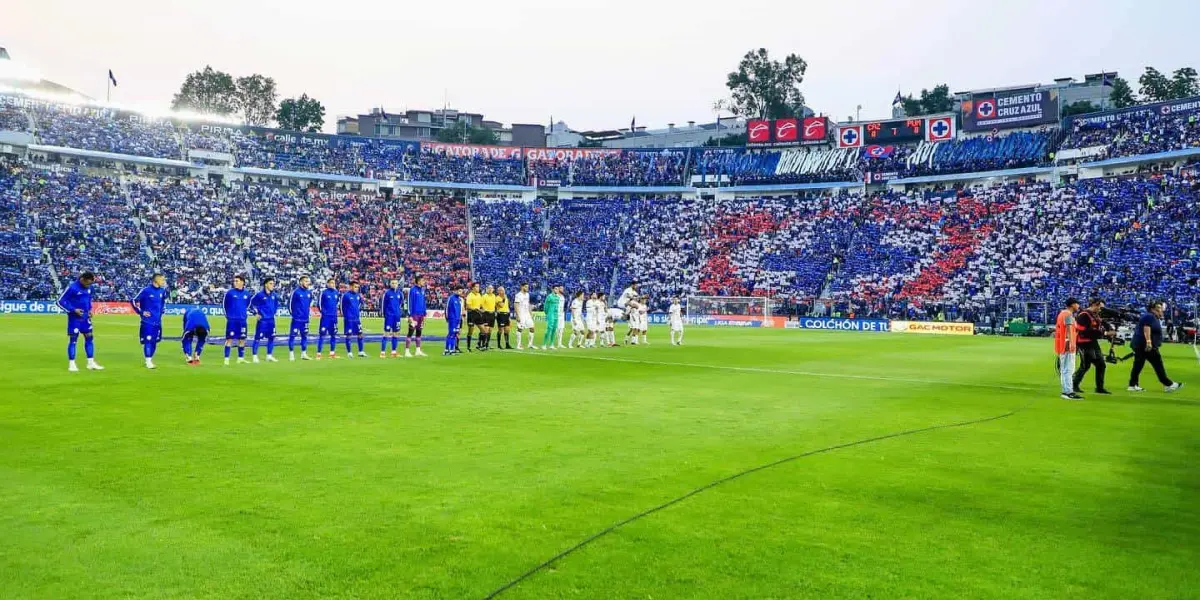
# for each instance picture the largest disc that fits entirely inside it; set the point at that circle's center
(451, 477)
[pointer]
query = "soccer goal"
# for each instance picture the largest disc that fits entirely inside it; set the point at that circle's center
(721, 306)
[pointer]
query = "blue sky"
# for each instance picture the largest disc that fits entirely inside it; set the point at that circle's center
(593, 64)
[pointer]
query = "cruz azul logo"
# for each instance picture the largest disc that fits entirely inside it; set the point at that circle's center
(850, 137)
(986, 109)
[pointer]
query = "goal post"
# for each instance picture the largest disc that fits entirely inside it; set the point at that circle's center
(728, 306)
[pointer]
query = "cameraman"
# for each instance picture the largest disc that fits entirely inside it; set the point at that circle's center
(1090, 327)
(1147, 339)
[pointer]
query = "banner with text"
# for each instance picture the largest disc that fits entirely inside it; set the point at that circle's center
(938, 328)
(472, 150)
(566, 154)
(1182, 106)
(1009, 110)
(837, 324)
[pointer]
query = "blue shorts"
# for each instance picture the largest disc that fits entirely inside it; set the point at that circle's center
(352, 328)
(235, 329)
(79, 325)
(391, 324)
(150, 332)
(453, 325)
(264, 329)
(299, 327)
(328, 326)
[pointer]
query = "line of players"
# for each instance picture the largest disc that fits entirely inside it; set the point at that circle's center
(593, 321)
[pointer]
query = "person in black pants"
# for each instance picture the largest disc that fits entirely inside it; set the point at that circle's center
(1090, 331)
(1147, 339)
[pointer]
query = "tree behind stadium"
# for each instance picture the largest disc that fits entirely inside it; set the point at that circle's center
(301, 114)
(766, 88)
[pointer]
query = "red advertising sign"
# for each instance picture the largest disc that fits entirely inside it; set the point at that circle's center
(112, 308)
(814, 129)
(471, 150)
(758, 131)
(787, 130)
(566, 154)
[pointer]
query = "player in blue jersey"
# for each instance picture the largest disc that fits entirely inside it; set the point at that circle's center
(454, 312)
(265, 304)
(392, 308)
(352, 319)
(416, 315)
(236, 304)
(300, 307)
(76, 301)
(149, 305)
(195, 330)
(330, 299)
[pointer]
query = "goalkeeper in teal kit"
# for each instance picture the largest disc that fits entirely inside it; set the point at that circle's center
(550, 307)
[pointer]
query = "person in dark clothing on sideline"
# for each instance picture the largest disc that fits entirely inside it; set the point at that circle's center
(1091, 331)
(1147, 339)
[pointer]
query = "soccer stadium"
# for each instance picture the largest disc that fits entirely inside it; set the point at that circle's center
(943, 353)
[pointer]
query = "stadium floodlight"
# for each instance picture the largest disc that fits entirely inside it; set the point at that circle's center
(729, 306)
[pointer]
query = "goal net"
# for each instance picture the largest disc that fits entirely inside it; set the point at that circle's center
(721, 306)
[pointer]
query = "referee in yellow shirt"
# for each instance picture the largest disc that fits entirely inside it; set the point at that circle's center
(503, 322)
(474, 316)
(488, 309)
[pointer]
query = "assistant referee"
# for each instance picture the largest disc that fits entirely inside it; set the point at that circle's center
(474, 316)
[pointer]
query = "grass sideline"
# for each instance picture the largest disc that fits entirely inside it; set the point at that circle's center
(446, 478)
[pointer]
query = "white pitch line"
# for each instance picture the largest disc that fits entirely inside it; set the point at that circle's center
(791, 372)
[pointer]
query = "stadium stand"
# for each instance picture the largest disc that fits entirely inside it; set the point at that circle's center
(956, 251)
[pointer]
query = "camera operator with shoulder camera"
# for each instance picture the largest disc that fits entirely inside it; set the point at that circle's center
(1090, 326)
(1147, 339)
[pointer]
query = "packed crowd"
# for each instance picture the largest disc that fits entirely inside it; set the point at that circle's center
(509, 244)
(85, 223)
(1130, 134)
(22, 272)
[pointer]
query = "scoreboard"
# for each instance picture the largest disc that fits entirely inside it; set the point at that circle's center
(898, 131)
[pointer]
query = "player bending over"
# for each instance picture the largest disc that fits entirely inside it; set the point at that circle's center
(300, 307)
(615, 314)
(195, 331)
(352, 319)
(503, 322)
(578, 327)
(236, 304)
(675, 319)
(265, 304)
(416, 315)
(76, 301)
(454, 308)
(393, 310)
(149, 305)
(524, 316)
(328, 305)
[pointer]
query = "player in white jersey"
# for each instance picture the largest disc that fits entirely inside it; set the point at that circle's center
(630, 293)
(631, 335)
(675, 320)
(562, 318)
(614, 314)
(644, 318)
(590, 320)
(524, 315)
(578, 326)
